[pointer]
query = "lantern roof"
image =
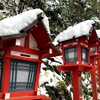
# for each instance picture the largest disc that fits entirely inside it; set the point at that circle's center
(79, 30)
(17, 24)
(32, 21)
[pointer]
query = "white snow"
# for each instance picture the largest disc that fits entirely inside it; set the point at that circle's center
(87, 7)
(96, 19)
(48, 76)
(77, 30)
(46, 23)
(13, 25)
(98, 33)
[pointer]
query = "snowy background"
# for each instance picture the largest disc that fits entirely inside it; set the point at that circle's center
(16, 23)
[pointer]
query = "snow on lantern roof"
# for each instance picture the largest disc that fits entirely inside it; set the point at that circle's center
(75, 31)
(14, 25)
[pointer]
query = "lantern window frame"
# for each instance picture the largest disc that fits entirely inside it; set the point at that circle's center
(86, 51)
(74, 51)
(21, 65)
(94, 51)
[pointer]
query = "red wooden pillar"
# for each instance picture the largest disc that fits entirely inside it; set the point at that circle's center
(98, 70)
(5, 80)
(6, 71)
(75, 84)
(93, 81)
(38, 75)
(94, 88)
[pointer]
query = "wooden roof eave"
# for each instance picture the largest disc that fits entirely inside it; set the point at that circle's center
(55, 51)
(48, 45)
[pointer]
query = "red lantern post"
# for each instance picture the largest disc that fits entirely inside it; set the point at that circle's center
(94, 54)
(98, 63)
(76, 60)
(75, 47)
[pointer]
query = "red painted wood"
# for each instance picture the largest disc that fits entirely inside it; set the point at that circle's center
(7, 40)
(40, 31)
(25, 50)
(40, 97)
(10, 43)
(93, 36)
(79, 53)
(23, 58)
(79, 66)
(1, 96)
(94, 87)
(37, 77)
(75, 67)
(45, 51)
(93, 42)
(44, 43)
(6, 71)
(79, 43)
(63, 56)
(98, 70)
(75, 84)
(22, 93)
(27, 41)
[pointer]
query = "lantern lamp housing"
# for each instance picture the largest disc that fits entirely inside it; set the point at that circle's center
(94, 45)
(75, 53)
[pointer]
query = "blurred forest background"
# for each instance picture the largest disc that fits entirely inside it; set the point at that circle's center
(61, 14)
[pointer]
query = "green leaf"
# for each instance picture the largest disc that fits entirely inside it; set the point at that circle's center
(1, 6)
(46, 74)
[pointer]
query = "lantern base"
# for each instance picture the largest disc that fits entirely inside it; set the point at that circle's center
(75, 67)
(40, 97)
(23, 96)
(94, 56)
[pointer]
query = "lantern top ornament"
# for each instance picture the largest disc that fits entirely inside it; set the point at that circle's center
(81, 29)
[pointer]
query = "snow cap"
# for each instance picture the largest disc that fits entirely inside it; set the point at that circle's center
(80, 29)
(13, 25)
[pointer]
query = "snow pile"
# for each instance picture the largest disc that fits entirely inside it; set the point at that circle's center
(46, 23)
(77, 30)
(13, 25)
